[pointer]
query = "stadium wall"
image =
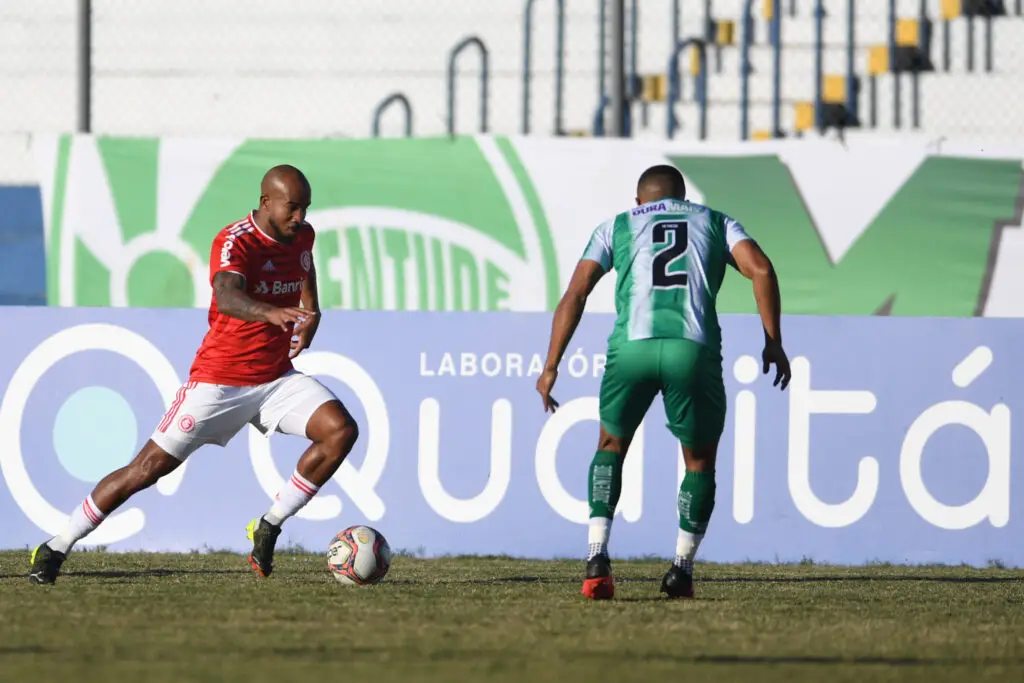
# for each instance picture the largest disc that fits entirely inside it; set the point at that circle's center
(893, 443)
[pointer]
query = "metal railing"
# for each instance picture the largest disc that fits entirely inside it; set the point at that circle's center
(675, 83)
(559, 62)
(391, 99)
(484, 71)
(898, 66)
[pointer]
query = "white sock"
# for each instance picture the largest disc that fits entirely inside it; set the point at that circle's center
(599, 531)
(84, 519)
(296, 493)
(686, 549)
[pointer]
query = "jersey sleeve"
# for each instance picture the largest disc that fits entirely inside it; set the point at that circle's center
(734, 232)
(599, 248)
(228, 254)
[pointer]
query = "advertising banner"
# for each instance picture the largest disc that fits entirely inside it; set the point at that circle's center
(492, 223)
(893, 443)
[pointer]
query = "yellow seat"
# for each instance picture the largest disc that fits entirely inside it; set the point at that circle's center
(694, 60)
(761, 135)
(653, 88)
(833, 89)
(768, 10)
(725, 33)
(908, 33)
(878, 60)
(952, 9)
(804, 114)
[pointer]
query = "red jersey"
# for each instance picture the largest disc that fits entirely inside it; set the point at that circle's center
(240, 353)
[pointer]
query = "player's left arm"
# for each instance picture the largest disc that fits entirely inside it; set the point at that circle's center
(306, 330)
(567, 317)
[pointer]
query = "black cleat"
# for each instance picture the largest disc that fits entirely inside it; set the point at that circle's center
(46, 563)
(678, 583)
(598, 584)
(263, 535)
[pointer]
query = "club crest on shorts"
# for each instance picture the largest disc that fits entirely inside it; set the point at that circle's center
(306, 260)
(187, 423)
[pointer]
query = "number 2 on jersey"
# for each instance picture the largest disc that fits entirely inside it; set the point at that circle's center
(675, 238)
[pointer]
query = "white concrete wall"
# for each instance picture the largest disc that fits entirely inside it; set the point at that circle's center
(300, 68)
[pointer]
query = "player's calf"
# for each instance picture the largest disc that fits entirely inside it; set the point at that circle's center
(146, 469)
(333, 433)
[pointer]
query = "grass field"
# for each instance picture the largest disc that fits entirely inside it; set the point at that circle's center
(141, 617)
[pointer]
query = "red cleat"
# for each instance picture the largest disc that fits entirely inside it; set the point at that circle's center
(598, 584)
(599, 588)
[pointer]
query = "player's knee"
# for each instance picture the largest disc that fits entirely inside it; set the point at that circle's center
(341, 438)
(611, 443)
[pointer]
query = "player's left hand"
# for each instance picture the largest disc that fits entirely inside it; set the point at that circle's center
(302, 335)
(545, 383)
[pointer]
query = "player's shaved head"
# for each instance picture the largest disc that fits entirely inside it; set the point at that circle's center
(284, 178)
(285, 196)
(660, 182)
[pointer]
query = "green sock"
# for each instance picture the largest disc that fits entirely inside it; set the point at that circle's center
(605, 484)
(696, 501)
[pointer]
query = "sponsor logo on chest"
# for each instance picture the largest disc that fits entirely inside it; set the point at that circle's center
(278, 287)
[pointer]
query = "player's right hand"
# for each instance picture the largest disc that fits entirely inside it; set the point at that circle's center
(774, 354)
(282, 317)
(545, 383)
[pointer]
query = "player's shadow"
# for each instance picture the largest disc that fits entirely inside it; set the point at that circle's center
(154, 573)
(861, 579)
(23, 650)
(819, 660)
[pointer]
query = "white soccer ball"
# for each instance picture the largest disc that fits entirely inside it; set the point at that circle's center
(359, 555)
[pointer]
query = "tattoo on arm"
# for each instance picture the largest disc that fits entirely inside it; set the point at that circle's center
(229, 292)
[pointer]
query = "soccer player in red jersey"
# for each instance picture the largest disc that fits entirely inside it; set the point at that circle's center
(261, 269)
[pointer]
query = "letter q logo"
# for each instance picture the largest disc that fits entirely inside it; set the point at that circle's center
(89, 337)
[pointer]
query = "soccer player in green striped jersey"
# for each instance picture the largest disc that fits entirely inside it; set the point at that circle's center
(670, 256)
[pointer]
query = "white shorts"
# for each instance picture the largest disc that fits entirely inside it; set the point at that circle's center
(213, 413)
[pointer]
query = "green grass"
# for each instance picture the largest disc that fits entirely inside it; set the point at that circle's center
(205, 617)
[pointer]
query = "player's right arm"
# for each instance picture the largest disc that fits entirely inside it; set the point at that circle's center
(755, 265)
(229, 292)
(229, 261)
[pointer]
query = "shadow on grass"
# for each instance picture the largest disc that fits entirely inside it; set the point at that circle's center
(137, 573)
(728, 580)
(819, 660)
(23, 650)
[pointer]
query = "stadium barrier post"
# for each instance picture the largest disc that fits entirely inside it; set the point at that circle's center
(84, 94)
(894, 68)
(819, 69)
(851, 71)
(618, 90)
(776, 67)
(748, 26)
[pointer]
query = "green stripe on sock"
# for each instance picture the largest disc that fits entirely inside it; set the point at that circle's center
(605, 483)
(696, 501)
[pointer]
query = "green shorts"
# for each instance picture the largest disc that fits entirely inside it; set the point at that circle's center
(689, 377)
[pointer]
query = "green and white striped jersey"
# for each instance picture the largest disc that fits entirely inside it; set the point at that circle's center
(670, 256)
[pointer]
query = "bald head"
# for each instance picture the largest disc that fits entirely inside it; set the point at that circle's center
(660, 182)
(284, 198)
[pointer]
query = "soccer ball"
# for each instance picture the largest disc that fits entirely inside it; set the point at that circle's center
(359, 555)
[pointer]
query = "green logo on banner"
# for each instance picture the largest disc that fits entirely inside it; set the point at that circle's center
(429, 224)
(930, 251)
